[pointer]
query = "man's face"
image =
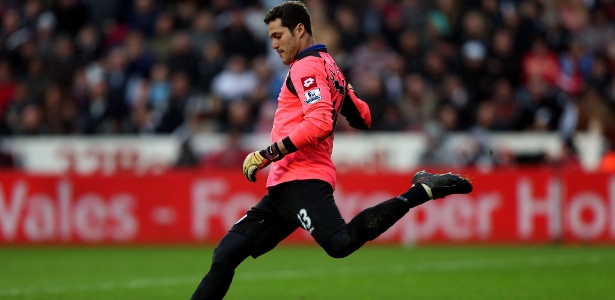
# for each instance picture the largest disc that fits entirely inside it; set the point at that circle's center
(283, 41)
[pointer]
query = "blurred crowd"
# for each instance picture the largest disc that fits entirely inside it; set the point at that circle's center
(90, 67)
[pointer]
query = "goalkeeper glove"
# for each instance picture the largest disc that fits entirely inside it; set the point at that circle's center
(258, 160)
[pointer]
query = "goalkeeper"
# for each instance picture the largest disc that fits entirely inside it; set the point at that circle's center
(302, 176)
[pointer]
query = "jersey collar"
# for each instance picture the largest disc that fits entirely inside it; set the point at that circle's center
(311, 49)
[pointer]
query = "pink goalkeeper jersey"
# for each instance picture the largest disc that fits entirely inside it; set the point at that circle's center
(314, 94)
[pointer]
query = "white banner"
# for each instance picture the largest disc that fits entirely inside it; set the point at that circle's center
(368, 151)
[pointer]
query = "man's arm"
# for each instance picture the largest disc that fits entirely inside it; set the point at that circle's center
(356, 110)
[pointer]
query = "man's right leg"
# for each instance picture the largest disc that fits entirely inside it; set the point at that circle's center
(255, 234)
(372, 222)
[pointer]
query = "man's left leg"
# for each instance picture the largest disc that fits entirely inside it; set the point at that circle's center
(372, 222)
(255, 234)
(230, 252)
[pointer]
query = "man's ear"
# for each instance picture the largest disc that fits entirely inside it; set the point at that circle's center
(300, 30)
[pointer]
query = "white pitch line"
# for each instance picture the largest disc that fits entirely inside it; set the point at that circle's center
(437, 266)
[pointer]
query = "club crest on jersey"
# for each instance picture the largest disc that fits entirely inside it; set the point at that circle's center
(308, 82)
(312, 96)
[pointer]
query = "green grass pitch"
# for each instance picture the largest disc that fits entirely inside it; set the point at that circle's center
(374, 272)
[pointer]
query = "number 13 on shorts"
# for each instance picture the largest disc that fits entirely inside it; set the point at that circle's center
(306, 222)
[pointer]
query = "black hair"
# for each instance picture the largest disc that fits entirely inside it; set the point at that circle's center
(291, 13)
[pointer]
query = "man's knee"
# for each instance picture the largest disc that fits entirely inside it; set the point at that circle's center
(337, 251)
(219, 267)
(339, 245)
(232, 250)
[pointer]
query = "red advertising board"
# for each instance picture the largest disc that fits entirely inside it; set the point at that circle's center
(507, 206)
(589, 207)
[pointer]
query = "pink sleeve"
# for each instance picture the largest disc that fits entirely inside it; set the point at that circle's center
(310, 81)
(356, 110)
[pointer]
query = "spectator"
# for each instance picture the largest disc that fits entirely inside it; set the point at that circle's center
(45, 34)
(186, 158)
(455, 93)
(7, 85)
(411, 51)
(443, 20)
(144, 16)
(230, 156)
(141, 121)
(88, 43)
(480, 152)
(372, 90)
(78, 92)
(63, 62)
(350, 32)
(414, 15)
(573, 14)
(203, 31)
(7, 159)
(10, 120)
(266, 89)
(264, 119)
(492, 13)
(475, 76)
(419, 103)
(474, 27)
(31, 11)
(139, 58)
(174, 112)
(113, 34)
(323, 27)
(437, 152)
(59, 113)
(572, 63)
(393, 24)
(104, 11)
(598, 75)
(95, 115)
(182, 58)
(540, 62)
(161, 41)
(237, 39)
(116, 77)
(37, 78)
(527, 24)
(212, 61)
(10, 28)
(567, 159)
(71, 15)
(505, 104)
(502, 61)
(599, 31)
(595, 114)
(160, 87)
(185, 12)
(541, 107)
(371, 57)
(555, 34)
(607, 163)
(238, 116)
(31, 121)
(202, 115)
(393, 78)
(434, 68)
(392, 119)
(21, 50)
(235, 81)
